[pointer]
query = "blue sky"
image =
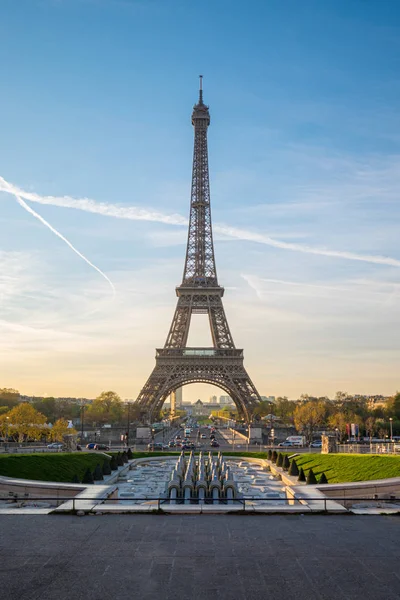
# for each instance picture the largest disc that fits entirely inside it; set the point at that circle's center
(304, 150)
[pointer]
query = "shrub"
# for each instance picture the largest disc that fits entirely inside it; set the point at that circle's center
(124, 457)
(113, 463)
(98, 473)
(311, 479)
(130, 454)
(293, 469)
(269, 454)
(301, 476)
(75, 479)
(279, 460)
(120, 461)
(88, 476)
(274, 456)
(286, 463)
(106, 468)
(323, 478)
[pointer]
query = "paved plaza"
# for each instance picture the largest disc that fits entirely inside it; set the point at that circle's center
(151, 557)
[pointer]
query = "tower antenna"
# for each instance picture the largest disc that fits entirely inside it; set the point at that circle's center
(201, 90)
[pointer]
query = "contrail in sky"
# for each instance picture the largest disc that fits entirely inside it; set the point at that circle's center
(58, 234)
(138, 214)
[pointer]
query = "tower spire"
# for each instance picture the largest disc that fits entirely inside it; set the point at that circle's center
(201, 90)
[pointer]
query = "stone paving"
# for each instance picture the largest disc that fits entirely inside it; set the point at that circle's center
(123, 557)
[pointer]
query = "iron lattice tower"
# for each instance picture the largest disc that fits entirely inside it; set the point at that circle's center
(199, 292)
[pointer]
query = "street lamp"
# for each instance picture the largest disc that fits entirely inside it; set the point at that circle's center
(127, 429)
(82, 412)
(391, 428)
(6, 444)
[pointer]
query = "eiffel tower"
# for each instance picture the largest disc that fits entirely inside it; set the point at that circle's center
(199, 292)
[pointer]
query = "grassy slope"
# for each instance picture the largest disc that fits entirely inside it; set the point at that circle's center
(48, 467)
(339, 468)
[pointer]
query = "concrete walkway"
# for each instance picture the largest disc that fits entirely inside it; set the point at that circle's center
(189, 557)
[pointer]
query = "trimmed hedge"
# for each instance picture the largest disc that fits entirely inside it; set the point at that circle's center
(106, 468)
(293, 469)
(88, 477)
(98, 473)
(301, 476)
(279, 460)
(323, 478)
(286, 463)
(311, 479)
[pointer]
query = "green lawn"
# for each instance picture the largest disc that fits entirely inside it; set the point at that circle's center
(49, 467)
(339, 468)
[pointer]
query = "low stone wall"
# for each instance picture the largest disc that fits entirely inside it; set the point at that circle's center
(38, 489)
(377, 489)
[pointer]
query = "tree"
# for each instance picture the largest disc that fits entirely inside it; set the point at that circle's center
(106, 468)
(370, 425)
(60, 429)
(308, 417)
(262, 409)
(284, 409)
(106, 408)
(393, 407)
(23, 422)
(88, 476)
(293, 469)
(341, 396)
(9, 397)
(47, 406)
(98, 473)
(323, 478)
(338, 421)
(301, 476)
(311, 479)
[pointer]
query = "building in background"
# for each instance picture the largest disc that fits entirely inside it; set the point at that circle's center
(226, 400)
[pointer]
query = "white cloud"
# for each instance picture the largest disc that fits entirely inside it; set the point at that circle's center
(135, 213)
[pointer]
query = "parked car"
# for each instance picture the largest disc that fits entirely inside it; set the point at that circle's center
(203, 436)
(316, 444)
(91, 445)
(101, 447)
(214, 444)
(171, 444)
(55, 446)
(285, 445)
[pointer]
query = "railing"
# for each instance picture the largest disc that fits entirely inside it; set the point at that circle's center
(199, 352)
(243, 502)
(373, 448)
